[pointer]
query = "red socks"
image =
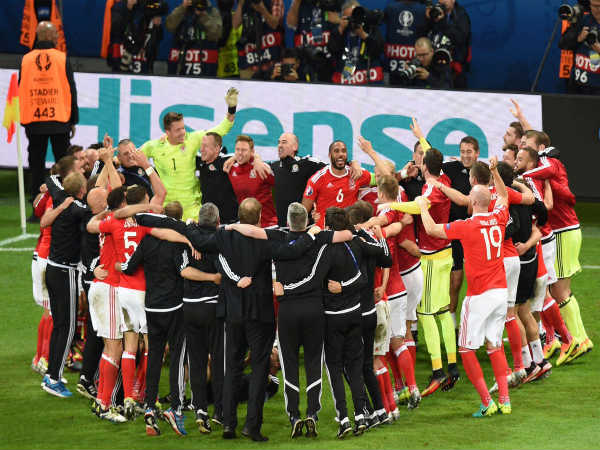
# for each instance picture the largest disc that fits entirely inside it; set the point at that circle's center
(140, 381)
(128, 370)
(473, 370)
(109, 370)
(40, 339)
(412, 349)
(385, 386)
(514, 339)
(405, 362)
(551, 314)
(393, 363)
(500, 366)
(47, 333)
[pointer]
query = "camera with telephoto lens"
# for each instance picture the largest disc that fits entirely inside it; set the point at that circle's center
(442, 49)
(592, 37)
(286, 69)
(573, 13)
(367, 19)
(409, 71)
(437, 11)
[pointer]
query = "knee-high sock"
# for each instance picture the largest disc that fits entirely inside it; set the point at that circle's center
(383, 379)
(412, 349)
(47, 334)
(128, 371)
(500, 367)
(40, 338)
(580, 326)
(393, 363)
(514, 339)
(101, 377)
(449, 334)
(473, 370)
(432, 339)
(536, 351)
(140, 379)
(551, 313)
(407, 367)
(111, 371)
(569, 315)
(546, 322)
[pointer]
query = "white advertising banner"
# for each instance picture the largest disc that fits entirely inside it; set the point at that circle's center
(133, 107)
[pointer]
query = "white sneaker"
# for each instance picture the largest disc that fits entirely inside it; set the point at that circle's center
(112, 416)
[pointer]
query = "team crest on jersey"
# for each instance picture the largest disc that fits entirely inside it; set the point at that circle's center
(182, 148)
(406, 19)
(140, 172)
(252, 174)
(351, 184)
(212, 167)
(295, 168)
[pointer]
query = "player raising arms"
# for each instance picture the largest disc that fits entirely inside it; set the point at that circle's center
(484, 309)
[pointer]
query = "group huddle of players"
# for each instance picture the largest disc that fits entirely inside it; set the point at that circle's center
(386, 250)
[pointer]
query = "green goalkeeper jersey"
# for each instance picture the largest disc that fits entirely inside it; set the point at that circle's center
(176, 166)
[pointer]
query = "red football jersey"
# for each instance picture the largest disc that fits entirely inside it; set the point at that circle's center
(126, 235)
(246, 184)
(537, 186)
(406, 261)
(108, 256)
(395, 284)
(42, 247)
(541, 264)
(440, 212)
(562, 216)
(369, 195)
(514, 198)
(327, 190)
(481, 237)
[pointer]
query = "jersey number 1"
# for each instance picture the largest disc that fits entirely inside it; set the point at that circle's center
(492, 238)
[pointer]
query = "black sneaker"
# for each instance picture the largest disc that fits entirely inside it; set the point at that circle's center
(344, 429)
(383, 418)
(438, 378)
(373, 421)
(218, 419)
(360, 425)
(229, 432)
(203, 422)
(297, 425)
(453, 377)
(310, 423)
(152, 428)
(86, 388)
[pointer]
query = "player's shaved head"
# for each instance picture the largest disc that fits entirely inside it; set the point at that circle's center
(249, 211)
(46, 31)
(480, 197)
(96, 199)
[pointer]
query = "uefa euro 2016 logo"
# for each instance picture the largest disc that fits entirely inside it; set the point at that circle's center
(406, 19)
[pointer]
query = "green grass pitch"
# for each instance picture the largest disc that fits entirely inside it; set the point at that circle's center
(562, 411)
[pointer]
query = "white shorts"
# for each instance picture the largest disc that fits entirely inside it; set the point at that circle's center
(133, 315)
(414, 290)
(539, 293)
(105, 311)
(381, 344)
(512, 267)
(397, 305)
(549, 253)
(483, 317)
(38, 276)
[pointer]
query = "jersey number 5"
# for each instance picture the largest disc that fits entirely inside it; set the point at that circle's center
(492, 238)
(132, 244)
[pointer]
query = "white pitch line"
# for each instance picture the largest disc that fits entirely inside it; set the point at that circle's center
(21, 237)
(16, 249)
(591, 267)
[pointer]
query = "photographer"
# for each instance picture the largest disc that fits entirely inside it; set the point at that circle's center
(228, 52)
(356, 46)
(261, 42)
(197, 28)
(430, 68)
(582, 38)
(285, 70)
(312, 22)
(405, 21)
(449, 19)
(135, 33)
